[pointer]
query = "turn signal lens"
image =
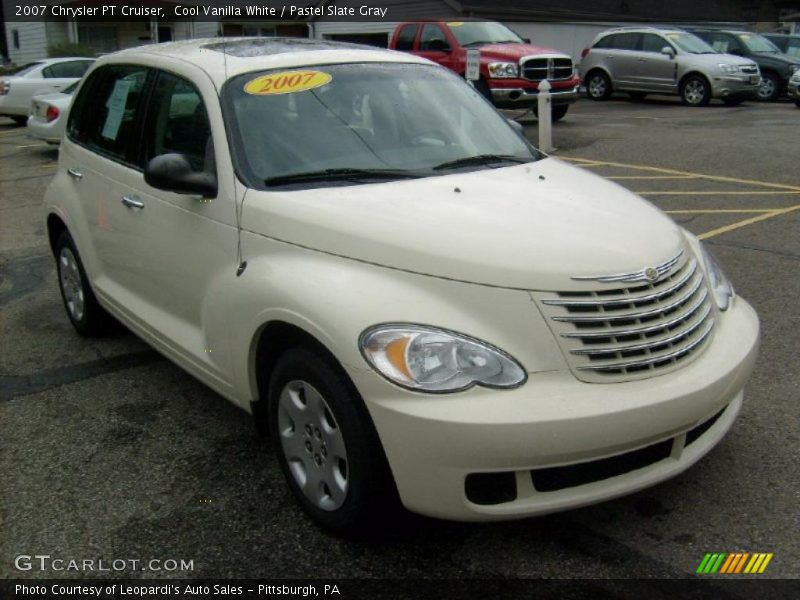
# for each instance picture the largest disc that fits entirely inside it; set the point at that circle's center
(433, 360)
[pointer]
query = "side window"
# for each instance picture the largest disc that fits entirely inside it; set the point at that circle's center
(626, 41)
(432, 38)
(73, 68)
(605, 42)
(177, 122)
(107, 109)
(405, 39)
(653, 43)
(720, 43)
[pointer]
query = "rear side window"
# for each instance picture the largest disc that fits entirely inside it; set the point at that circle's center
(107, 109)
(432, 38)
(177, 122)
(626, 41)
(605, 42)
(653, 43)
(405, 39)
(23, 70)
(75, 68)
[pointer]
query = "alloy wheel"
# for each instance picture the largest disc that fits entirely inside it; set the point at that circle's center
(70, 279)
(694, 92)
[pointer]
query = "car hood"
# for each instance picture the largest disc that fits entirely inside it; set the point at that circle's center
(516, 51)
(713, 60)
(529, 226)
(778, 58)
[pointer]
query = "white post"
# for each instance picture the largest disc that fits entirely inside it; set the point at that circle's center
(545, 119)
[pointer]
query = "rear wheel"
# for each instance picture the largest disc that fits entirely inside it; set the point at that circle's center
(770, 87)
(327, 446)
(598, 85)
(695, 91)
(19, 120)
(83, 310)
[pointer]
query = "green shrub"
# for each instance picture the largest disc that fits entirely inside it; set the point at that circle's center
(69, 49)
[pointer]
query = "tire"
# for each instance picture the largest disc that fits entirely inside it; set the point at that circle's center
(797, 103)
(732, 101)
(637, 96)
(484, 90)
(20, 120)
(86, 315)
(327, 445)
(695, 91)
(598, 86)
(556, 112)
(770, 87)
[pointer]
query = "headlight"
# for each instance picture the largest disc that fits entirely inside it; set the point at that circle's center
(726, 68)
(794, 69)
(434, 360)
(721, 288)
(503, 69)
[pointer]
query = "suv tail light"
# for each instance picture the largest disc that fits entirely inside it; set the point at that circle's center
(5, 86)
(585, 52)
(52, 114)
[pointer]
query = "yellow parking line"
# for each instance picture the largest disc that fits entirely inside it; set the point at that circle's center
(746, 222)
(721, 193)
(676, 172)
(591, 164)
(721, 210)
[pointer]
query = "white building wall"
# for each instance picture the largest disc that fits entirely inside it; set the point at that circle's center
(32, 41)
(570, 38)
(322, 29)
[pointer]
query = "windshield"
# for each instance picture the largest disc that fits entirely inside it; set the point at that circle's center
(690, 43)
(482, 32)
(71, 88)
(758, 43)
(362, 122)
(23, 70)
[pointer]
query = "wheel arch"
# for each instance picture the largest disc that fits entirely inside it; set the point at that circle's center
(694, 73)
(55, 227)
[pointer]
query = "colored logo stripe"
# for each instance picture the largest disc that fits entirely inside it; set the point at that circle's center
(732, 563)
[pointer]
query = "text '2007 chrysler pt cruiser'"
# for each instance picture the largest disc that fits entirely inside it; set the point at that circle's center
(355, 247)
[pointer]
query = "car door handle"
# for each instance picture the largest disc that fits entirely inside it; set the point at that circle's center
(132, 202)
(74, 173)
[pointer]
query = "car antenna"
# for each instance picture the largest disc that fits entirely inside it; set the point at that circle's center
(237, 206)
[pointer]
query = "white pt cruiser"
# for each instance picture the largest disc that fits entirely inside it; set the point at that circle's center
(355, 247)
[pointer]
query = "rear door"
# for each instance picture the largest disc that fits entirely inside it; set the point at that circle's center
(623, 58)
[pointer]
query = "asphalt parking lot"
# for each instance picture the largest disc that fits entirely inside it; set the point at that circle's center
(108, 450)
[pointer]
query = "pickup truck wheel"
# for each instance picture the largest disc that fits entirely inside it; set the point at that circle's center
(86, 315)
(483, 88)
(695, 91)
(598, 85)
(770, 87)
(326, 444)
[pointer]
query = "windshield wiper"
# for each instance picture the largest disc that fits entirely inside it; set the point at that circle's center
(346, 173)
(480, 159)
(478, 42)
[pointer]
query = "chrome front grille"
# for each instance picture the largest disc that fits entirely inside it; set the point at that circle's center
(632, 332)
(749, 69)
(552, 69)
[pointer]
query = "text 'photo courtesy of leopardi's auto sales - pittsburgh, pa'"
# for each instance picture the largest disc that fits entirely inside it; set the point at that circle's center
(415, 302)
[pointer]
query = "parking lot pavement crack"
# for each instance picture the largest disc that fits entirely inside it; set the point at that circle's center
(12, 386)
(755, 249)
(21, 276)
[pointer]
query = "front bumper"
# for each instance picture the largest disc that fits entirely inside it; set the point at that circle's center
(433, 443)
(522, 97)
(794, 90)
(735, 86)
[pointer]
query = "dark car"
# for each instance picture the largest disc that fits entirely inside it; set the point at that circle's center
(776, 67)
(786, 43)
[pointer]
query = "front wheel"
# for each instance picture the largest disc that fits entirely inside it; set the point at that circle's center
(556, 112)
(327, 446)
(695, 91)
(770, 87)
(598, 86)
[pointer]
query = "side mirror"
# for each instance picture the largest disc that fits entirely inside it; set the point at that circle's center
(669, 51)
(173, 173)
(438, 46)
(516, 126)
(736, 51)
(526, 40)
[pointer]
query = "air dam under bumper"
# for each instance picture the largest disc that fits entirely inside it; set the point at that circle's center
(733, 87)
(522, 97)
(434, 442)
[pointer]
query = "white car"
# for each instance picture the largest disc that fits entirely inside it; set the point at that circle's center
(356, 248)
(41, 77)
(48, 115)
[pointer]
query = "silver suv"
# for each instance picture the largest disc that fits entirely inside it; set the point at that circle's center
(642, 60)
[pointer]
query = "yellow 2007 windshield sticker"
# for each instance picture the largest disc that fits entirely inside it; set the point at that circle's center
(455, 23)
(286, 82)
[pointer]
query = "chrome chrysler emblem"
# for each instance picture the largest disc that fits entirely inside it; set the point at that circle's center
(651, 273)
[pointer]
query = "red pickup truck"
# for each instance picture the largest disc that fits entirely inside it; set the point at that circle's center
(511, 68)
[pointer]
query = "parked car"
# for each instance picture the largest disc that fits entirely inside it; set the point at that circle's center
(41, 77)
(410, 297)
(510, 67)
(794, 88)
(776, 67)
(48, 115)
(786, 43)
(650, 60)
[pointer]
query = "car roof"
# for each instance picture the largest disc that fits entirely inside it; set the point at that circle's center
(642, 29)
(223, 58)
